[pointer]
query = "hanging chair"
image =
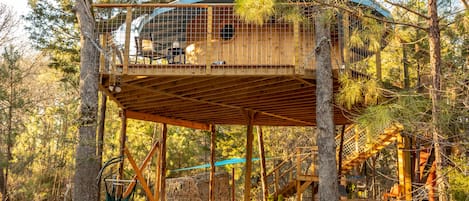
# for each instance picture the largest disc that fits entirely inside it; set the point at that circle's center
(111, 194)
(111, 190)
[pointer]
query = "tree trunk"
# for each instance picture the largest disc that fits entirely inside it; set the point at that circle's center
(328, 186)
(435, 63)
(86, 162)
(3, 188)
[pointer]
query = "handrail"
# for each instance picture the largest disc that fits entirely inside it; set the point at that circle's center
(355, 142)
(290, 169)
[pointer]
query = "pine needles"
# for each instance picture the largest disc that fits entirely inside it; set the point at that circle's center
(255, 11)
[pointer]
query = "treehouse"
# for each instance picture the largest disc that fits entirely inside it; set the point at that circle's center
(196, 63)
(202, 63)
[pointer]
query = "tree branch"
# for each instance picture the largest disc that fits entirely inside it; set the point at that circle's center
(407, 9)
(355, 13)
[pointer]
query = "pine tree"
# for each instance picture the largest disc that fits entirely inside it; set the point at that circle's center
(86, 160)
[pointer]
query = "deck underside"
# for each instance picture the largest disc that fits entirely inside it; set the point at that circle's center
(277, 95)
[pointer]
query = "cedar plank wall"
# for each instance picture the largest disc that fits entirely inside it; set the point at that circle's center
(269, 44)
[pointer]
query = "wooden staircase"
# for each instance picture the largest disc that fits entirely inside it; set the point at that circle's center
(295, 174)
(357, 146)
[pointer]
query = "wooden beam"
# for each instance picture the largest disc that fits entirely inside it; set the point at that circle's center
(265, 191)
(122, 147)
(296, 46)
(249, 138)
(102, 57)
(151, 5)
(208, 58)
(341, 150)
(158, 175)
(128, 25)
(142, 167)
(276, 182)
(378, 64)
(140, 177)
(102, 117)
(346, 50)
(110, 96)
(166, 120)
(233, 186)
(163, 163)
(403, 164)
(219, 104)
(298, 174)
(304, 186)
(212, 163)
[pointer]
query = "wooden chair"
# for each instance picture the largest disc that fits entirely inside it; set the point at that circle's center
(145, 48)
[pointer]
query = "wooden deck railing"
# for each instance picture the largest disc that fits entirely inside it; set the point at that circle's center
(136, 38)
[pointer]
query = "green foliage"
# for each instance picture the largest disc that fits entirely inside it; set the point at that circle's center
(459, 179)
(355, 91)
(375, 119)
(53, 29)
(255, 11)
(369, 35)
(350, 92)
(410, 110)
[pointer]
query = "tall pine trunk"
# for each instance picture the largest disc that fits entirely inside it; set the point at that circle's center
(435, 63)
(86, 162)
(328, 186)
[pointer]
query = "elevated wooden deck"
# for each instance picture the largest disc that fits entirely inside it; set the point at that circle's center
(278, 96)
(198, 64)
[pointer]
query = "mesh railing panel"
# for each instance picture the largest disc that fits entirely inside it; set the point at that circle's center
(194, 37)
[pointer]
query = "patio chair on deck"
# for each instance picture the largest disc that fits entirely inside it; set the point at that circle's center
(145, 48)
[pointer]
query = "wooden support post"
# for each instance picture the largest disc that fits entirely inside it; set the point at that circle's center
(373, 175)
(260, 139)
(296, 46)
(212, 163)
(209, 40)
(102, 55)
(408, 169)
(122, 147)
(249, 139)
(128, 26)
(277, 183)
(346, 50)
(157, 175)
(403, 159)
(142, 167)
(233, 186)
(163, 163)
(139, 174)
(298, 174)
(378, 64)
(102, 117)
(341, 150)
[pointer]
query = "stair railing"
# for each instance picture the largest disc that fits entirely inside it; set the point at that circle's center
(294, 166)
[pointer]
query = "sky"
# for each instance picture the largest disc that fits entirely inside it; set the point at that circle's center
(20, 6)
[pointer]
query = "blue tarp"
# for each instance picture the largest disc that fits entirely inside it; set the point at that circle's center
(218, 163)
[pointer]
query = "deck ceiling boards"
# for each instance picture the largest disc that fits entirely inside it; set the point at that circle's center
(279, 100)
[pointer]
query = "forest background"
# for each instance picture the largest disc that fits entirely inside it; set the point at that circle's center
(39, 97)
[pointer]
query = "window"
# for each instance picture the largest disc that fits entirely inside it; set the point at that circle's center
(227, 32)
